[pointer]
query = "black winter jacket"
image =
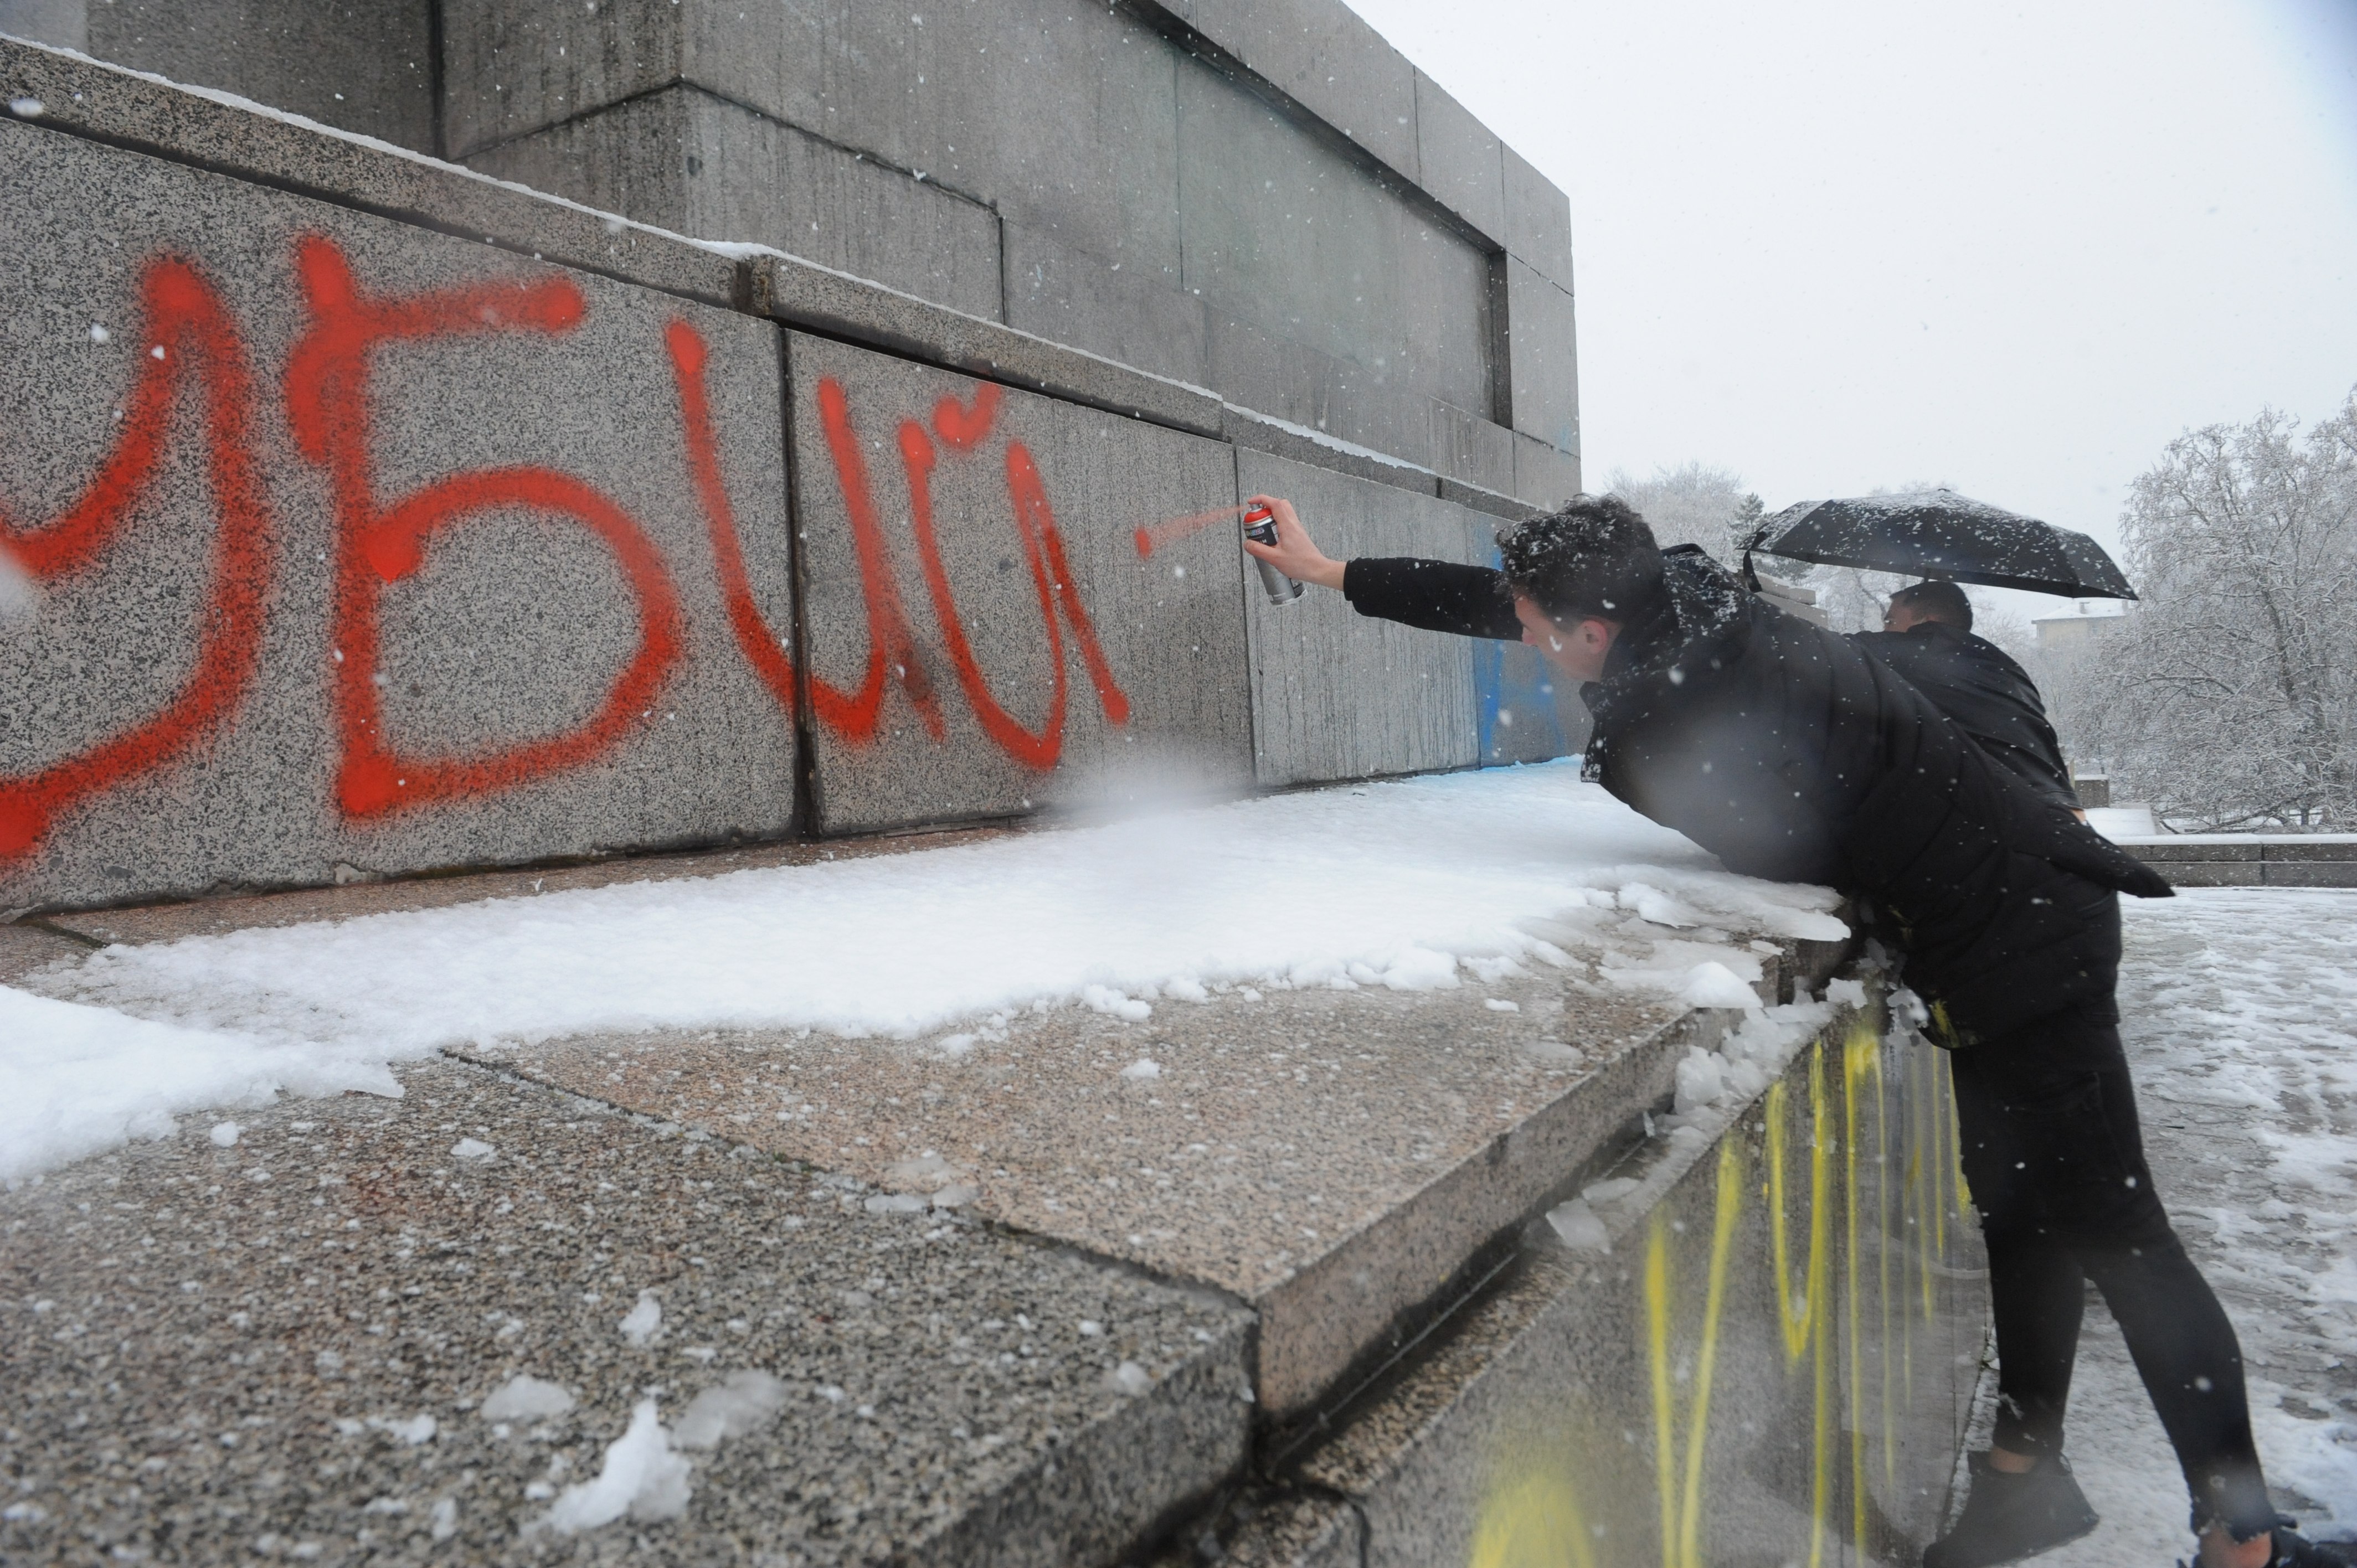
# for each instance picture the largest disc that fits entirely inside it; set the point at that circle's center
(1786, 751)
(1976, 684)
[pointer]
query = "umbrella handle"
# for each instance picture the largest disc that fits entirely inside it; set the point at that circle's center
(1751, 576)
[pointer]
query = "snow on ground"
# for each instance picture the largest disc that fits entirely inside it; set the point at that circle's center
(1402, 885)
(2240, 1014)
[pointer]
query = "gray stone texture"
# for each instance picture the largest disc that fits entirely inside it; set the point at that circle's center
(2252, 860)
(1336, 695)
(97, 101)
(1286, 233)
(514, 628)
(685, 161)
(839, 306)
(357, 65)
(1536, 1417)
(1330, 62)
(1543, 348)
(1149, 208)
(1538, 222)
(1169, 623)
(1461, 161)
(1341, 1186)
(281, 1349)
(62, 24)
(1544, 477)
(1135, 314)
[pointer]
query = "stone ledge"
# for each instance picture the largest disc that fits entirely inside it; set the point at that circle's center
(225, 134)
(2250, 860)
(228, 1353)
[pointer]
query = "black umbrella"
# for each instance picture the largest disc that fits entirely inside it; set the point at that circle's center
(1939, 533)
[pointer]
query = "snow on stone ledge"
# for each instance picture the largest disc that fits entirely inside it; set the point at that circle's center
(1406, 885)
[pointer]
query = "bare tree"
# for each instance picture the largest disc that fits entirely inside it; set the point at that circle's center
(2229, 697)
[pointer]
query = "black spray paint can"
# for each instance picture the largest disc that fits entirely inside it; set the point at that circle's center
(1260, 527)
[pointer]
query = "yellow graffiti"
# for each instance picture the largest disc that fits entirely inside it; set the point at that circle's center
(1859, 1051)
(1808, 1329)
(1532, 1521)
(1680, 1505)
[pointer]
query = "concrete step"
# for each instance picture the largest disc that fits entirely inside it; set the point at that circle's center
(1593, 1401)
(281, 1349)
(1068, 1273)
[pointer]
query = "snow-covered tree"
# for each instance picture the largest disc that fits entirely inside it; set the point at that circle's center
(1693, 503)
(2229, 697)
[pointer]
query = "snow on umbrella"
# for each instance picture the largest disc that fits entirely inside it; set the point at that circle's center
(1939, 533)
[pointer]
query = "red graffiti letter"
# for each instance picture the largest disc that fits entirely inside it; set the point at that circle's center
(327, 403)
(186, 333)
(854, 716)
(963, 429)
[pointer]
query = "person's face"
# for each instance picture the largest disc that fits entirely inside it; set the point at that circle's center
(1901, 617)
(1578, 648)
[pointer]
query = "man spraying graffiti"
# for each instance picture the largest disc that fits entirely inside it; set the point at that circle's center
(1793, 753)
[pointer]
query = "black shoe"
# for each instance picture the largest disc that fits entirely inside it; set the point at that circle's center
(2009, 1517)
(2294, 1550)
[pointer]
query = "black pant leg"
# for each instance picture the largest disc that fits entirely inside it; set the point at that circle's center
(2050, 1131)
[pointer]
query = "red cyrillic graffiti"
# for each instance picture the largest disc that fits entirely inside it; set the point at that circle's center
(328, 407)
(184, 325)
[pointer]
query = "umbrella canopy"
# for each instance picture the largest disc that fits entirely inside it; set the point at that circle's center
(1939, 533)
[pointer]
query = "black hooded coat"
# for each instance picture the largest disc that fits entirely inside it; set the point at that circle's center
(1791, 753)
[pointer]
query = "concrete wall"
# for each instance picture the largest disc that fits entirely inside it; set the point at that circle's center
(360, 65)
(1270, 202)
(1008, 643)
(516, 582)
(1339, 695)
(238, 655)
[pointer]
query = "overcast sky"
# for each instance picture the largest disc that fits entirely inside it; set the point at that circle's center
(2015, 249)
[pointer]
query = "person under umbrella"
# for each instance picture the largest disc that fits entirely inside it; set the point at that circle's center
(1791, 754)
(1927, 637)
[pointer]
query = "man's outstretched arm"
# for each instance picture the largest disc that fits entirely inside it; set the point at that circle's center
(1438, 595)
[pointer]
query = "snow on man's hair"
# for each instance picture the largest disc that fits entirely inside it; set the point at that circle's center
(1593, 558)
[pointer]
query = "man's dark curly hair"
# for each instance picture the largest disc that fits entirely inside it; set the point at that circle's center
(1939, 600)
(1594, 559)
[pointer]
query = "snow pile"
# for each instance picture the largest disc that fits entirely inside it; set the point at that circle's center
(743, 1403)
(641, 1478)
(1402, 884)
(76, 1079)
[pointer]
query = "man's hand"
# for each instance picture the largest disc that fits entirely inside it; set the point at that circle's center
(1295, 554)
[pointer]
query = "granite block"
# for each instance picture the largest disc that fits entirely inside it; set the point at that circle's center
(358, 65)
(1252, 432)
(1470, 449)
(1284, 232)
(1501, 505)
(1461, 163)
(1043, 658)
(685, 161)
(1542, 349)
(60, 24)
(1544, 477)
(2301, 873)
(1336, 1160)
(1538, 220)
(1261, 371)
(984, 100)
(88, 98)
(1340, 695)
(2211, 872)
(550, 656)
(2196, 847)
(1132, 313)
(1521, 702)
(289, 1346)
(801, 294)
(2310, 848)
(1321, 55)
